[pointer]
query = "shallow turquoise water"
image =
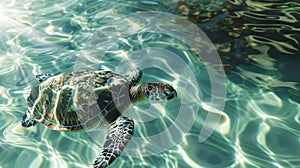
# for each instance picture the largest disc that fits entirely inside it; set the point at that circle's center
(258, 43)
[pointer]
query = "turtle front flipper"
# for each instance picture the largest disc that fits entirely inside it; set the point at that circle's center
(119, 134)
(28, 119)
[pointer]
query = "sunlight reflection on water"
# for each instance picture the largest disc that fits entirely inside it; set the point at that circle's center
(256, 40)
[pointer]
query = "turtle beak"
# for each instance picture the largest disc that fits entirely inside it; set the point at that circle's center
(172, 95)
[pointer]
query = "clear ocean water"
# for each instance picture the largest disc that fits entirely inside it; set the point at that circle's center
(256, 87)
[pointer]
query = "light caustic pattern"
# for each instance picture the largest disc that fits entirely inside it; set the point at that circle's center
(262, 92)
(106, 50)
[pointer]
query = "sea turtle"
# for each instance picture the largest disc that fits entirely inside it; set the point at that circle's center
(92, 98)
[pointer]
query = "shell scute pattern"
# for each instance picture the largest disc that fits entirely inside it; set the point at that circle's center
(79, 99)
(33, 96)
(64, 107)
(40, 102)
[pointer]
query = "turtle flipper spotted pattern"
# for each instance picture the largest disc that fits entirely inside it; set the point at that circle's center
(119, 134)
(28, 119)
(43, 77)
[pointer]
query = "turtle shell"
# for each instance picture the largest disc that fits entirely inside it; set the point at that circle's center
(79, 100)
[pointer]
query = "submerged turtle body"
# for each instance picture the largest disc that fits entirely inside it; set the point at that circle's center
(79, 100)
(92, 98)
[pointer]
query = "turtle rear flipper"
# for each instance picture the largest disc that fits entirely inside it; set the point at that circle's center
(28, 119)
(119, 133)
(43, 77)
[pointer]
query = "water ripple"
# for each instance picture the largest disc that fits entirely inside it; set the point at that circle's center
(257, 41)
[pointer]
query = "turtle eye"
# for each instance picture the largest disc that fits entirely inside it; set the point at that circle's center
(167, 92)
(170, 93)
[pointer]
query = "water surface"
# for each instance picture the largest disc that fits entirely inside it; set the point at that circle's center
(258, 43)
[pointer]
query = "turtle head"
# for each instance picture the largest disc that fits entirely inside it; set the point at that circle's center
(155, 92)
(159, 91)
